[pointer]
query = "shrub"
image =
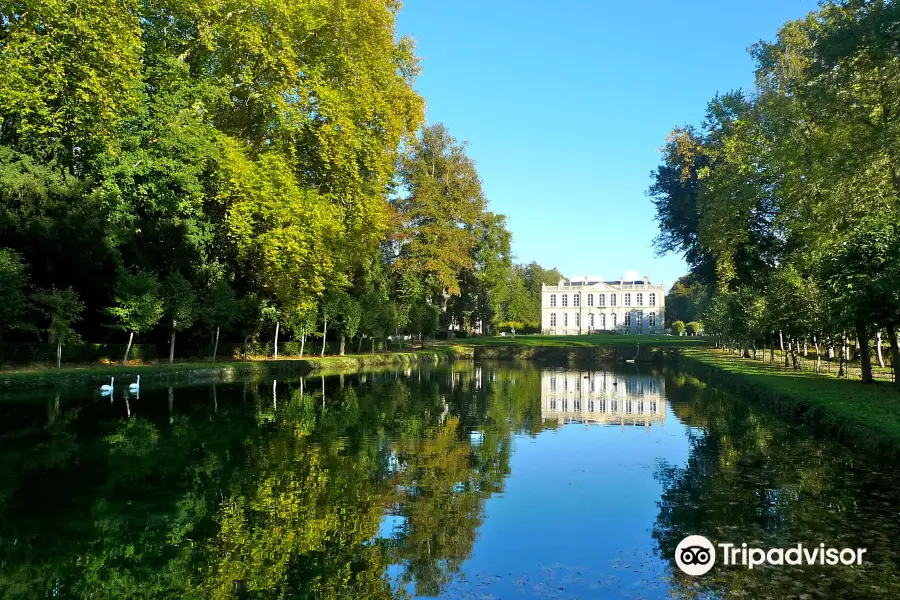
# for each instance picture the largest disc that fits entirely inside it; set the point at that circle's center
(693, 328)
(678, 328)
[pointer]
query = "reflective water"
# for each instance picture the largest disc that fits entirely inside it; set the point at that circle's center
(470, 481)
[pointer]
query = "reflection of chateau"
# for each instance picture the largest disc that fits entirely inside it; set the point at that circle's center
(601, 397)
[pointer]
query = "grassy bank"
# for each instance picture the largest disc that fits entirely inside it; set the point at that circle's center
(867, 416)
(221, 371)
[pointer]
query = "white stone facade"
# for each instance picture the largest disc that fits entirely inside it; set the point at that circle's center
(599, 397)
(583, 306)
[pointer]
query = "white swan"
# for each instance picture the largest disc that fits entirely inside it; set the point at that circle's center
(136, 386)
(107, 389)
(631, 360)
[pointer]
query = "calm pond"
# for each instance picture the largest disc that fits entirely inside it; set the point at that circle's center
(462, 481)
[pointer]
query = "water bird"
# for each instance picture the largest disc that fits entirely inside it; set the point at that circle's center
(107, 389)
(136, 386)
(631, 360)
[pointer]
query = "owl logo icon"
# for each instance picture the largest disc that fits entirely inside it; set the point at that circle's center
(695, 555)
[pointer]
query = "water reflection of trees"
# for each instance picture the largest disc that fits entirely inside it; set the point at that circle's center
(753, 477)
(233, 491)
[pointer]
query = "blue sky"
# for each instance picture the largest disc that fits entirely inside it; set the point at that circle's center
(566, 104)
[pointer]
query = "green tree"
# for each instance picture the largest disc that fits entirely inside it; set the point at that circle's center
(219, 309)
(678, 328)
(138, 307)
(693, 328)
(180, 306)
(63, 308)
(14, 287)
(438, 213)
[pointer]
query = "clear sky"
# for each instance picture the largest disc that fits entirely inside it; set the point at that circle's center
(565, 105)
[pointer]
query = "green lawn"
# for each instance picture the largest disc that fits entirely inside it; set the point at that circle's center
(868, 414)
(600, 339)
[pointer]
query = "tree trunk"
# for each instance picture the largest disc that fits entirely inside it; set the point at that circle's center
(324, 334)
(895, 354)
(373, 344)
(805, 349)
(359, 345)
(878, 354)
(172, 344)
(216, 344)
(818, 356)
(128, 348)
(58, 353)
(862, 349)
(277, 327)
(780, 340)
(829, 354)
(302, 343)
(343, 342)
(843, 354)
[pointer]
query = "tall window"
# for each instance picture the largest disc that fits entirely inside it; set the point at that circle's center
(627, 319)
(577, 319)
(552, 299)
(576, 299)
(565, 300)
(612, 299)
(590, 299)
(602, 320)
(651, 319)
(652, 299)
(565, 317)
(640, 299)
(591, 320)
(627, 299)
(601, 299)
(552, 319)
(614, 319)
(553, 383)
(640, 318)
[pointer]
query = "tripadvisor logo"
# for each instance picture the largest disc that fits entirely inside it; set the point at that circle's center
(696, 555)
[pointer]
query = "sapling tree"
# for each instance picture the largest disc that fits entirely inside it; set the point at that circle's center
(180, 303)
(14, 287)
(63, 308)
(138, 307)
(302, 321)
(220, 307)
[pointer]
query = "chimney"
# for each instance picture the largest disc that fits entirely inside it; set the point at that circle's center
(646, 280)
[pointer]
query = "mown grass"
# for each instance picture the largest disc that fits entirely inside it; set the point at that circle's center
(600, 339)
(867, 415)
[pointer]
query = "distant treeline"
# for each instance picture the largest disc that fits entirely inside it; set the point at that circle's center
(786, 200)
(225, 169)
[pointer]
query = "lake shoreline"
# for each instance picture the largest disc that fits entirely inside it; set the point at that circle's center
(866, 416)
(224, 371)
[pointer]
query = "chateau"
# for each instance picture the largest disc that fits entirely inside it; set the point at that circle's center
(583, 306)
(599, 397)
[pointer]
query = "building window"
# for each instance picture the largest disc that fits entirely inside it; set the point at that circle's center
(553, 383)
(565, 300)
(614, 319)
(627, 317)
(565, 317)
(576, 299)
(652, 299)
(612, 299)
(601, 299)
(602, 320)
(552, 299)
(640, 318)
(640, 299)
(591, 320)
(552, 319)
(651, 319)
(627, 299)
(590, 299)
(577, 319)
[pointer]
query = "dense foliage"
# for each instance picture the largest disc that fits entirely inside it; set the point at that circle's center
(224, 169)
(786, 201)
